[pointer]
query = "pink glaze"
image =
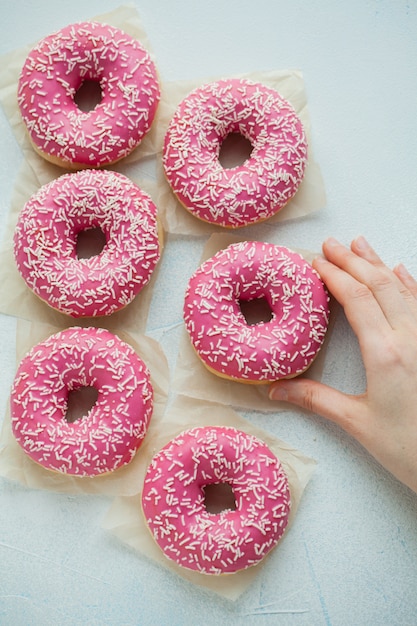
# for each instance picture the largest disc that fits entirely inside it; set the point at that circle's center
(110, 434)
(280, 348)
(266, 181)
(54, 71)
(45, 242)
(173, 500)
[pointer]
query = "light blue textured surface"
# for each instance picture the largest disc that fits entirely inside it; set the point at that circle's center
(351, 556)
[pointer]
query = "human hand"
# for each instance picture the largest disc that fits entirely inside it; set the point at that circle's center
(381, 306)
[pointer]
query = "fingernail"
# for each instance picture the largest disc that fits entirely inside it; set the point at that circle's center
(402, 270)
(361, 243)
(278, 393)
(331, 241)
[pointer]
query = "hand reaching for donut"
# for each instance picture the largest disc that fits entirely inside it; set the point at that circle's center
(381, 306)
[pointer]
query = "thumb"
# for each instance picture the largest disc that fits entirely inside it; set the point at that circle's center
(321, 399)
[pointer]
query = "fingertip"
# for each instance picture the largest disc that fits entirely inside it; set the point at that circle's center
(360, 243)
(330, 243)
(319, 398)
(363, 249)
(401, 271)
(278, 392)
(406, 278)
(319, 261)
(297, 391)
(333, 249)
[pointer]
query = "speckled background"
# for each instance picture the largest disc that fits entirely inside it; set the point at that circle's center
(350, 556)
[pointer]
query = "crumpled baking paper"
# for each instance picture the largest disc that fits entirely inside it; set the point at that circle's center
(125, 518)
(175, 219)
(16, 465)
(17, 299)
(191, 377)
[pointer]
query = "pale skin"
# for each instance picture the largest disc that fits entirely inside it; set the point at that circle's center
(381, 306)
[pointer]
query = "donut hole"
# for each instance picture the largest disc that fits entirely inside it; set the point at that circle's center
(256, 311)
(90, 242)
(219, 497)
(235, 149)
(88, 95)
(79, 402)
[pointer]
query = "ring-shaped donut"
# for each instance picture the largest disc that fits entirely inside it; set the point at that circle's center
(173, 500)
(264, 183)
(51, 76)
(112, 431)
(281, 347)
(46, 234)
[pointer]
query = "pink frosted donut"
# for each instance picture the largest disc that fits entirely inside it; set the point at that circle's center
(173, 500)
(53, 73)
(45, 242)
(266, 181)
(112, 431)
(281, 347)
